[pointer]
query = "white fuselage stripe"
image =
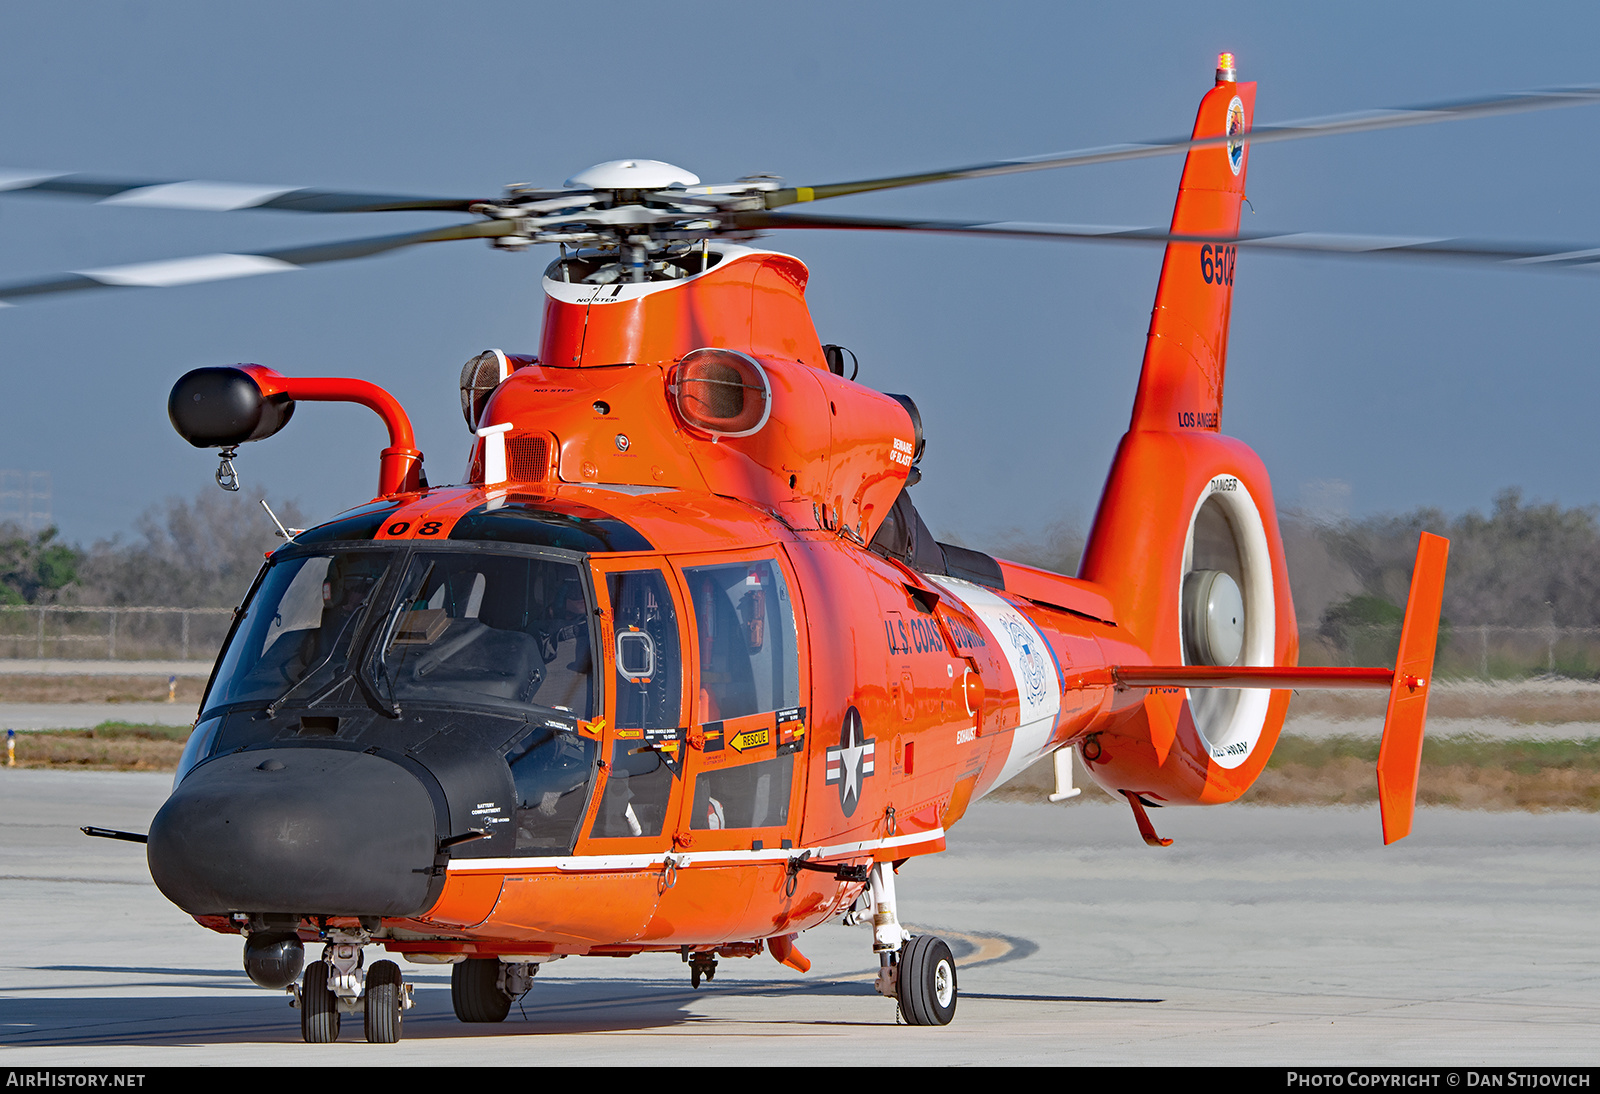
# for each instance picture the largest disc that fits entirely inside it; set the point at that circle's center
(1033, 672)
(581, 863)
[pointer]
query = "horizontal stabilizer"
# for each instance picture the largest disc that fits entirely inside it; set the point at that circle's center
(1249, 676)
(1400, 755)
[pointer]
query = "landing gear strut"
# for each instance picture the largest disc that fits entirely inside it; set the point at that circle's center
(918, 972)
(337, 985)
(702, 966)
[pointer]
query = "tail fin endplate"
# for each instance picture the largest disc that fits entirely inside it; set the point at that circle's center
(1400, 755)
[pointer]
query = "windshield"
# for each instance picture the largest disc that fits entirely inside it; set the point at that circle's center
(465, 626)
(477, 625)
(298, 629)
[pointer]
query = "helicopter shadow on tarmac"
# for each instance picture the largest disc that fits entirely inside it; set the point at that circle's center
(232, 1010)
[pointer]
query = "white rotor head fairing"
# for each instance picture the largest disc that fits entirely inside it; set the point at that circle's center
(1227, 535)
(633, 175)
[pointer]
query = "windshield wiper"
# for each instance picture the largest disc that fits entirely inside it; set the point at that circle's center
(333, 649)
(370, 697)
(355, 621)
(377, 649)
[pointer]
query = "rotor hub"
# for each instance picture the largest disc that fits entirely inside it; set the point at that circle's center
(632, 175)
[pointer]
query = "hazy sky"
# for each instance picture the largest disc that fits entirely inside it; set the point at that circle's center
(1376, 387)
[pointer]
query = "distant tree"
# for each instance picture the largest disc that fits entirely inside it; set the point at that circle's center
(34, 568)
(1526, 565)
(1521, 566)
(195, 553)
(1378, 552)
(1317, 577)
(1366, 627)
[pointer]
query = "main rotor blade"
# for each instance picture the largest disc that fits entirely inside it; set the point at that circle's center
(215, 197)
(1531, 256)
(1515, 102)
(195, 269)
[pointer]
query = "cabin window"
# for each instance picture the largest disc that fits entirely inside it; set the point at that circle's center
(749, 796)
(749, 662)
(638, 787)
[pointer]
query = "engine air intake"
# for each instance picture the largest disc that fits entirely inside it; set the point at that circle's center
(721, 392)
(528, 457)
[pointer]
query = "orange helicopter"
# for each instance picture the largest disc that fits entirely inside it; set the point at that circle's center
(677, 667)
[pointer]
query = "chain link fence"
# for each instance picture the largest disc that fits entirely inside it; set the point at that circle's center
(1483, 652)
(153, 634)
(112, 634)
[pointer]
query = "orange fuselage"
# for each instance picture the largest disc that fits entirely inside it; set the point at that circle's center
(823, 703)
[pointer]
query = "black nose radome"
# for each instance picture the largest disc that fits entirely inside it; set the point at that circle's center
(307, 831)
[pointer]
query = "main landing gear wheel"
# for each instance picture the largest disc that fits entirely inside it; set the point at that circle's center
(384, 1003)
(475, 990)
(927, 982)
(319, 1007)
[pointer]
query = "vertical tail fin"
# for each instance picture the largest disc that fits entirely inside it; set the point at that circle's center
(1183, 502)
(1184, 358)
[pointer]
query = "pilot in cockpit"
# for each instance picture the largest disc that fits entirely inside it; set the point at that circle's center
(350, 581)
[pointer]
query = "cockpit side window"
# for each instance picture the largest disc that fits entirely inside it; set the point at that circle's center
(648, 675)
(649, 665)
(552, 772)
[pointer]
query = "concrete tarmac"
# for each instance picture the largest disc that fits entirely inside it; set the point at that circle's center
(1274, 936)
(47, 666)
(27, 716)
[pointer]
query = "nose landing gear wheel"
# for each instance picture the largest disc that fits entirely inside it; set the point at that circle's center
(319, 1008)
(475, 991)
(383, 1004)
(927, 982)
